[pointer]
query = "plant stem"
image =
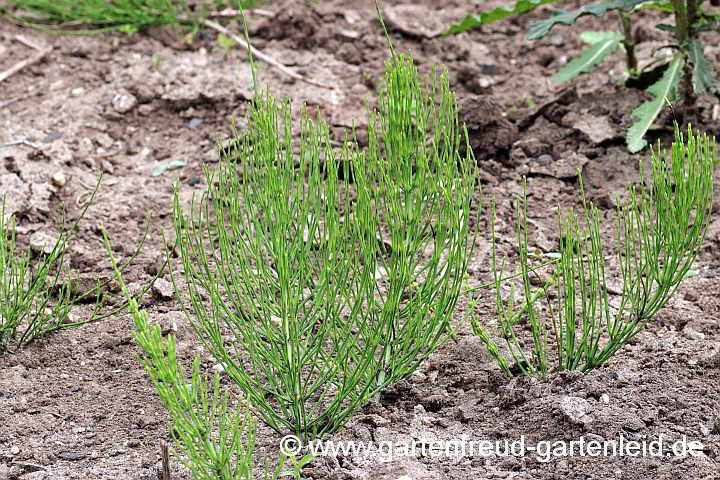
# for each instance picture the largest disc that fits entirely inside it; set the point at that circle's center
(629, 42)
(685, 16)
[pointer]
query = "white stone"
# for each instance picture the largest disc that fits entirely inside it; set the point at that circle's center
(59, 179)
(576, 410)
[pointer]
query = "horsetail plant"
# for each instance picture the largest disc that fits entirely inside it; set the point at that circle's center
(97, 16)
(213, 441)
(659, 233)
(319, 276)
(38, 291)
(27, 310)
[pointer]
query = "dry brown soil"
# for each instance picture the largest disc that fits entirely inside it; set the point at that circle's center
(78, 404)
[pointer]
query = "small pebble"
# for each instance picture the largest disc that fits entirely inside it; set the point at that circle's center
(58, 179)
(124, 102)
(145, 109)
(163, 288)
(72, 456)
(94, 454)
(71, 318)
(107, 166)
(77, 91)
(219, 367)
(605, 398)
(41, 242)
(15, 450)
(557, 39)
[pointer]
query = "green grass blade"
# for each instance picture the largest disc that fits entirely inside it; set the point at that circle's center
(663, 90)
(483, 18)
(594, 55)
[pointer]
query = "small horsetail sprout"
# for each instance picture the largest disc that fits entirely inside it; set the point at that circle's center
(659, 233)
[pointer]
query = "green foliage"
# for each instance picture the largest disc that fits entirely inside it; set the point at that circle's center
(483, 18)
(104, 15)
(659, 233)
(688, 70)
(214, 441)
(317, 276)
(703, 80)
(598, 9)
(26, 308)
(601, 47)
(35, 299)
(664, 91)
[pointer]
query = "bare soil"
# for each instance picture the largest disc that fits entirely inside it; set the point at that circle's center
(78, 403)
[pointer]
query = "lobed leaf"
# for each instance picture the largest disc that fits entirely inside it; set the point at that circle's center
(483, 18)
(592, 56)
(703, 80)
(598, 9)
(663, 90)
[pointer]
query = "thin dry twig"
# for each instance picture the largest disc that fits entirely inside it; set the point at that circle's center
(29, 43)
(229, 12)
(266, 58)
(7, 103)
(24, 63)
(20, 142)
(165, 474)
(41, 52)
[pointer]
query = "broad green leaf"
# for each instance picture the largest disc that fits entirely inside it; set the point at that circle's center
(598, 9)
(703, 80)
(483, 18)
(662, 91)
(589, 58)
(594, 37)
